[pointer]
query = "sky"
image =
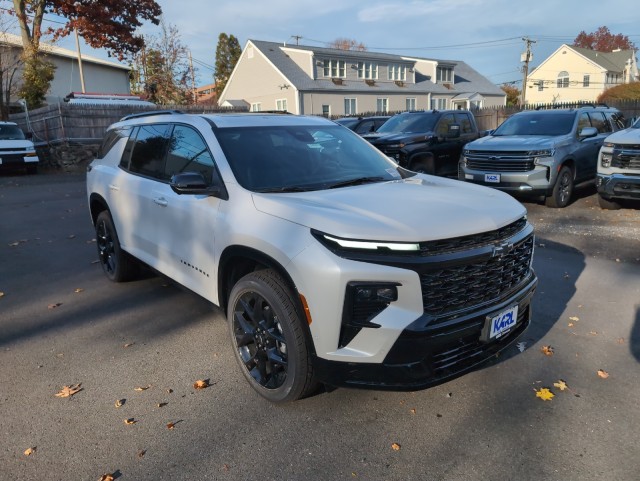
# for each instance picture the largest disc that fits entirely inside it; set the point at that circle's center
(486, 34)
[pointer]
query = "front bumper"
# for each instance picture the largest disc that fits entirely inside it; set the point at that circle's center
(619, 186)
(537, 182)
(18, 159)
(426, 354)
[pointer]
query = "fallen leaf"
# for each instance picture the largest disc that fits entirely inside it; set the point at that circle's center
(68, 391)
(79, 290)
(106, 477)
(53, 306)
(561, 385)
(142, 452)
(170, 425)
(544, 394)
(570, 324)
(120, 402)
(72, 236)
(603, 374)
(201, 384)
(14, 244)
(593, 333)
(1, 294)
(521, 346)
(620, 340)
(169, 391)
(574, 318)
(30, 451)
(129, 344)
(547, 350)
(412, 410)
(395, 447)
(225, 467)
(130, 421)
(566, 275)
(140, 388)
(354, 475)
(161, 405)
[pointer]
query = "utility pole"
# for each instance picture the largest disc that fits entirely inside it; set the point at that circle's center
(193, 79)
(80, 62)
(297, 37)
(526, 58)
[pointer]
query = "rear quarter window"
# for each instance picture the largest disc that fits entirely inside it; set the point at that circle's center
(111, 138)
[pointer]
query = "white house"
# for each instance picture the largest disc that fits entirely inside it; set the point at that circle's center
(325, 81)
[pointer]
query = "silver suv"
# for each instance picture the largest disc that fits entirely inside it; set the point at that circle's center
(541, 153)
(619, 168)
(300, 230)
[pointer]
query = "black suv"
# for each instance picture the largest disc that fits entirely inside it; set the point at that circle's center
(429, 141)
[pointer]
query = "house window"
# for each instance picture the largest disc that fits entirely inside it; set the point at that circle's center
(368, 70)
(382, 105)
(350, 106)
(257, 107)
(563, 80)
(397, 72)
(326, 111)
(585, 81)
(281, 104)
(438, 104)
(335, 68)
(444, 74)
(411, 103)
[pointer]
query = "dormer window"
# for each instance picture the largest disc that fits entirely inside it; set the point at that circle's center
(444, 75)
(334, 68)
(368, 70)
(397, 72)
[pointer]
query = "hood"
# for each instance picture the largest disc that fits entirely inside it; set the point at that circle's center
(420, 208)
(515, 142)
(16, 144)
(627, 136)
(392, 138)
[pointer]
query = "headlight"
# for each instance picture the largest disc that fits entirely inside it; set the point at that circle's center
(605, 159)
(352, 245)
(396, 146)
(539, 155)
(30, 154)
(609, 144)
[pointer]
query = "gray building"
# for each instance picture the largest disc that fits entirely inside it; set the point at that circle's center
(100, 76)
(325, 81)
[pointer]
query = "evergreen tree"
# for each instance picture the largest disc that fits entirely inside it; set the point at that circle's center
(227, 54)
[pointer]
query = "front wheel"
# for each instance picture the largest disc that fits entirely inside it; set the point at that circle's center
(423, 166)
(607, 204)
(563, 189)
(268, 337)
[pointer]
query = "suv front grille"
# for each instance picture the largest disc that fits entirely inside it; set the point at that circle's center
(456, 244)
(455, 288)
(627, 157)
(516, 161)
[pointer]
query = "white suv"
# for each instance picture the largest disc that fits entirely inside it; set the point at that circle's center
(15, 149)
(334, 264)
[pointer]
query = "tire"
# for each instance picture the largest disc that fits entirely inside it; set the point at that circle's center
(607, 204)
(268, 338)
(423, 166)
(117, 265)
(32, 169)
(563, 189)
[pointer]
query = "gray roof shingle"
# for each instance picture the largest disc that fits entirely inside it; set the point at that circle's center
(612, 61)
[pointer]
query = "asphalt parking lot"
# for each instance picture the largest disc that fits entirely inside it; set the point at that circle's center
(62, 323)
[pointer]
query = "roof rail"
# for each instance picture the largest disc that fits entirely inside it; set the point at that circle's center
(150, 113)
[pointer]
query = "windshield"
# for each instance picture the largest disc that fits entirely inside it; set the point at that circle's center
(537, 123)
(636, 124)
(408, 123)
(10, 132)
(350, 123)
(296, 158)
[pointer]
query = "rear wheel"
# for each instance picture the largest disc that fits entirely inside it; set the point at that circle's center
(563, 189)
(116, 263)
(268, 338)
(607, 204)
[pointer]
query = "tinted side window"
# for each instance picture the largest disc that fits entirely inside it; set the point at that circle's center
(126, 154)
(442, 129)
(583, 121)
(465, 123)
(111, 138)
(188, 153)
(599, 122)
(365, 127)
(616, 120)
(147, 157)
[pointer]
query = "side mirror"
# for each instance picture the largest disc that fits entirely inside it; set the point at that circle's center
(588, 132)
(193, 183)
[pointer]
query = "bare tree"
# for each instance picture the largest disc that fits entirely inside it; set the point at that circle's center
(348, 44)
(10, 64)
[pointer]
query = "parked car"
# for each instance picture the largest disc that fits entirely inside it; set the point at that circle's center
(619, 167)
(428, 141)
(363, 125)
(542, 153)
(16, 151)
(308, 244)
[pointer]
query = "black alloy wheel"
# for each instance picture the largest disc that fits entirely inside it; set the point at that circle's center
(563, 189)
(116, 264)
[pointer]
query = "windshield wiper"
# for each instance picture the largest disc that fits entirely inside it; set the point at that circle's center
(356, 181)
(293, 188)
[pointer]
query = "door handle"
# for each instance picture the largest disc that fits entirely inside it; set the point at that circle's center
(161, 201)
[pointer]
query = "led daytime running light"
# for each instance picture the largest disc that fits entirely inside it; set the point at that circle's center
(353, 244)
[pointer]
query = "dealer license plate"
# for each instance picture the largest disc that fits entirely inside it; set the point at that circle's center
(493, 178)
(502, 323)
